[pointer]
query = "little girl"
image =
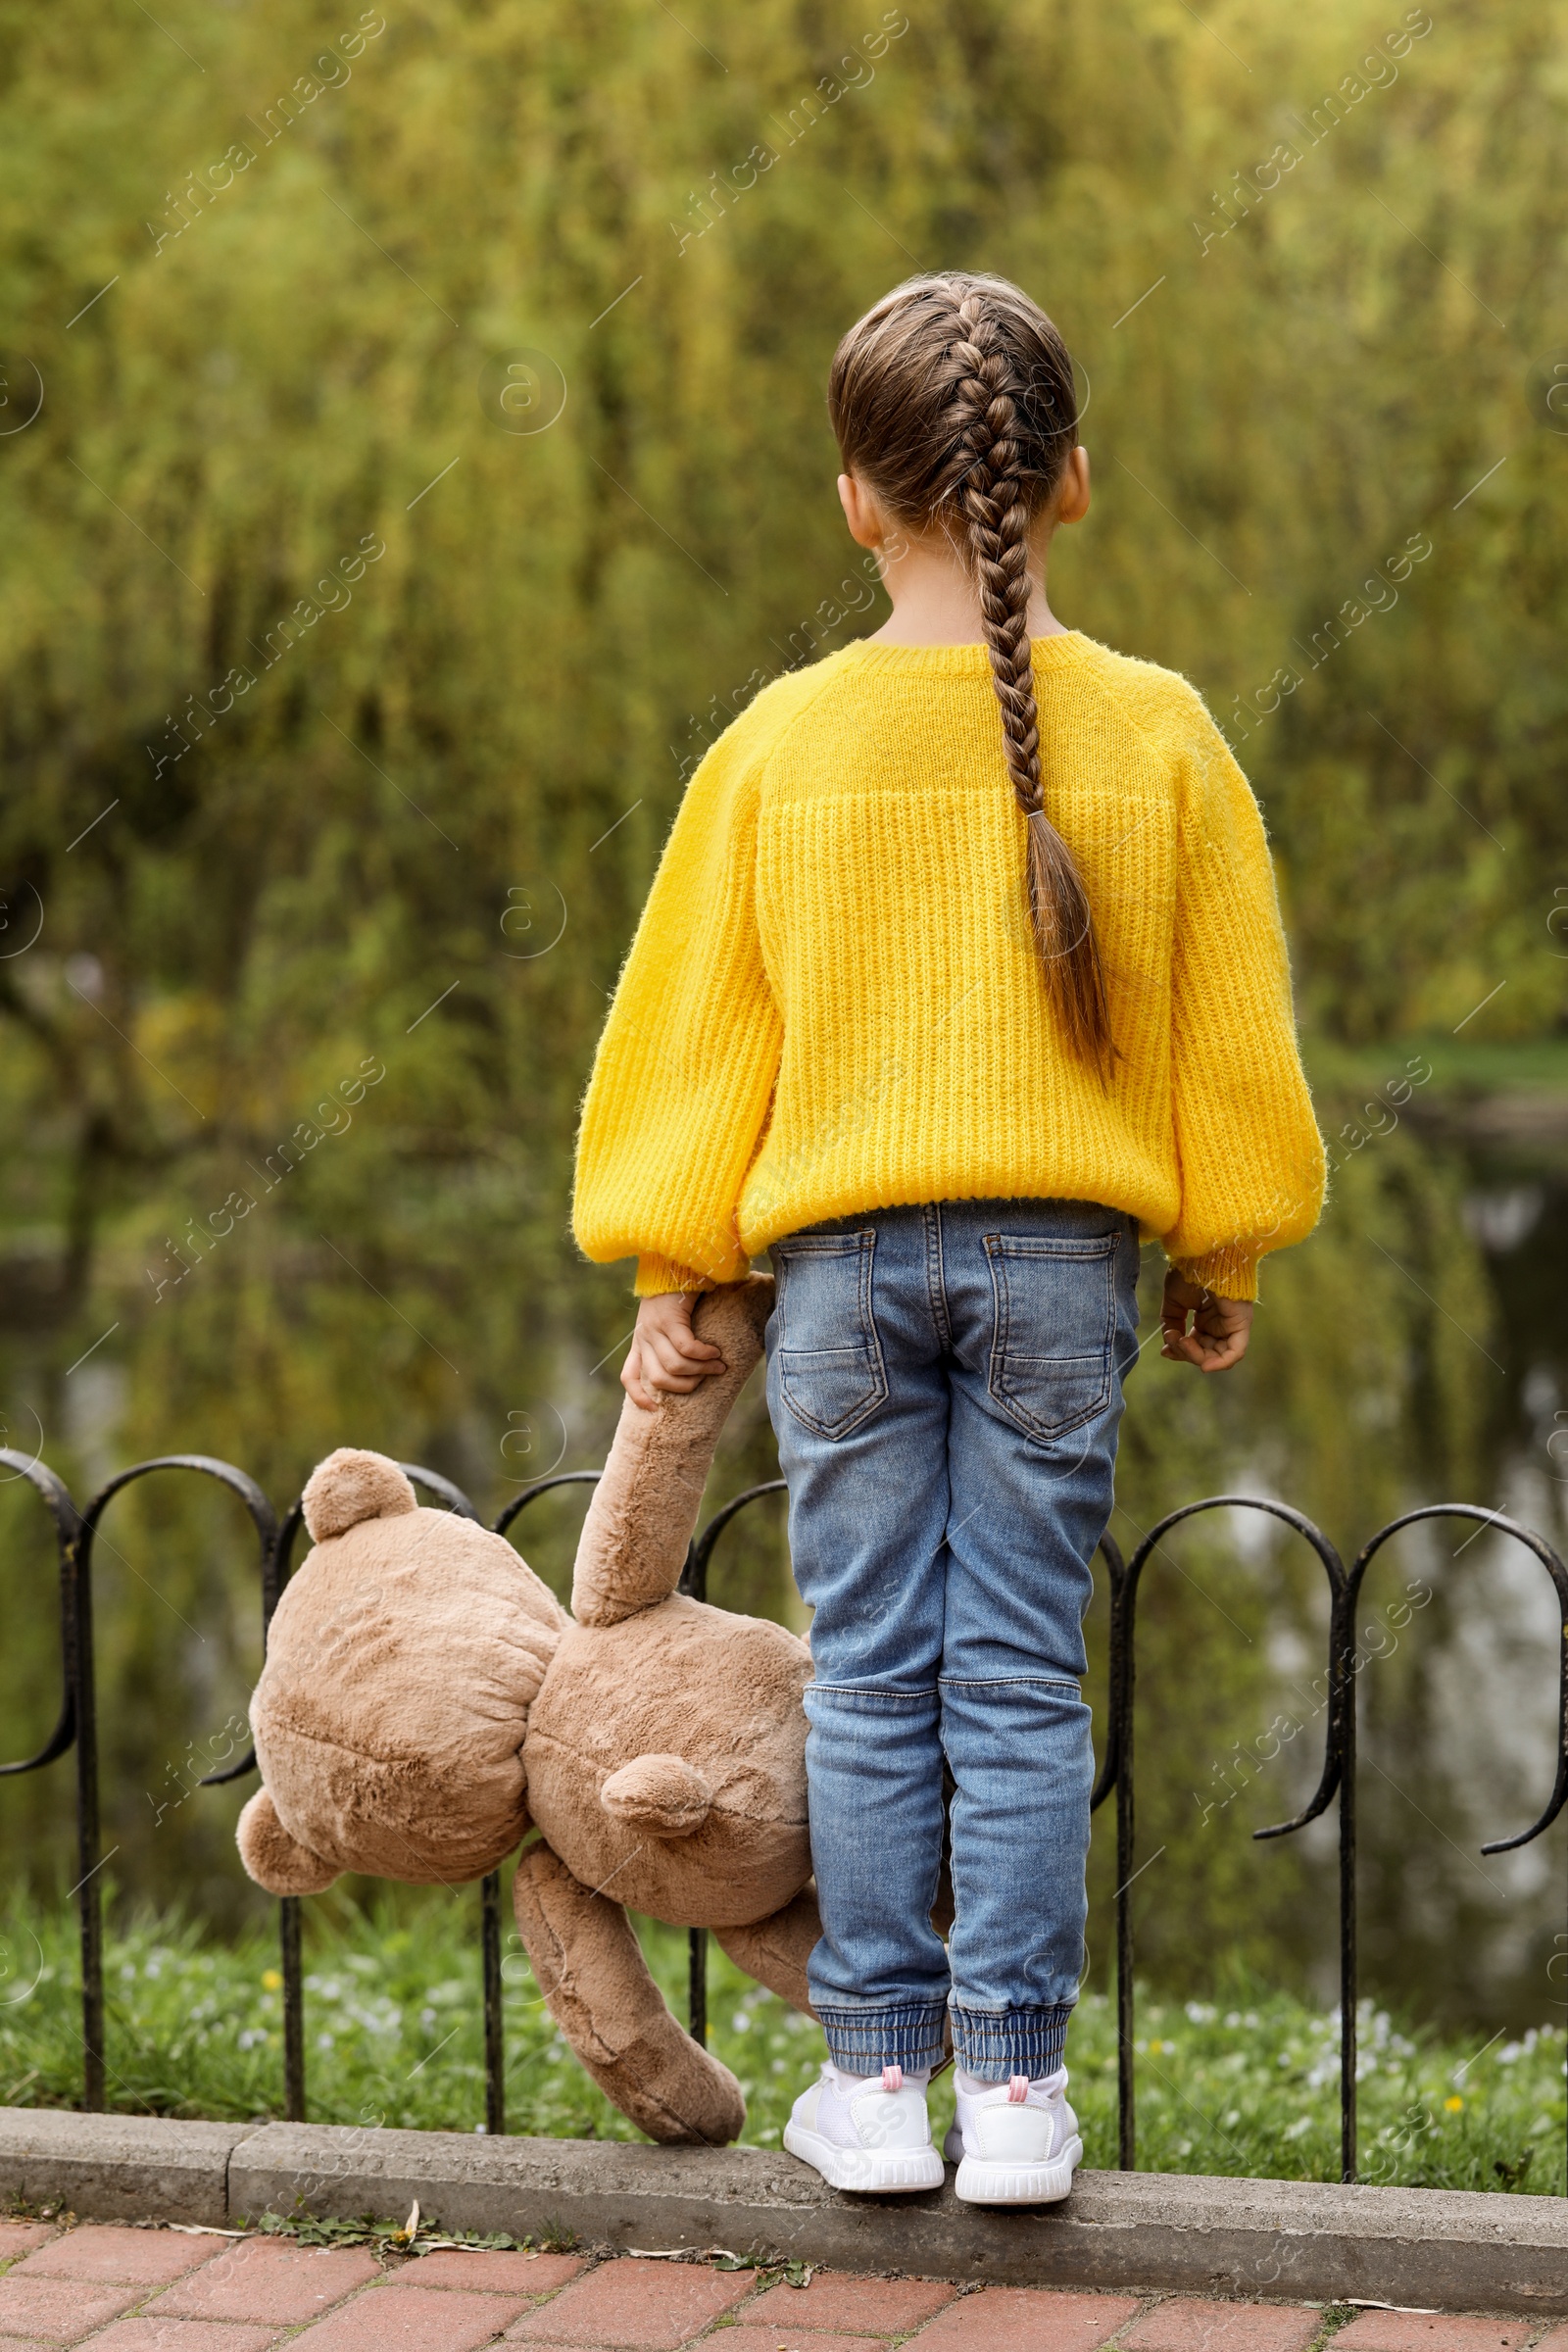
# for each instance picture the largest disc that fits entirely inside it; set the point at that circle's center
(962, 969)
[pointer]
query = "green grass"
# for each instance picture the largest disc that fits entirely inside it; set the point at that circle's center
(1458, 1064)
(393, 2035)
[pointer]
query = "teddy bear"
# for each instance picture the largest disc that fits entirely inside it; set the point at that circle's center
(427, 1704)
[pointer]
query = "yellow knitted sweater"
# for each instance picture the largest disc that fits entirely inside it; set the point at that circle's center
(834, 1003)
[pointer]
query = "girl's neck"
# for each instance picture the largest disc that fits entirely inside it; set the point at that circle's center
(935, 600)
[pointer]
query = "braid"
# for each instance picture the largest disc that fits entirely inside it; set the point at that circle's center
(997, 516)
(994, 499)
(954, 397)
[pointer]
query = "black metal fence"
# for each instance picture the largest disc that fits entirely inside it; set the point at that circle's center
(76, 1729)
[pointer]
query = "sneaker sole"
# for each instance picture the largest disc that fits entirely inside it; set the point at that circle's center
(889, 2174)
(980, 2182)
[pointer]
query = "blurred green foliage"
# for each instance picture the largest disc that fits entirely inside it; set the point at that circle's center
(343, 722)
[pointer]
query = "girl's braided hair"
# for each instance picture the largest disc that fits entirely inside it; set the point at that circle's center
(952, 401)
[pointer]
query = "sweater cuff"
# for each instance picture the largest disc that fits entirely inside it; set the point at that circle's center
(657, 1275)
(1230, 1273)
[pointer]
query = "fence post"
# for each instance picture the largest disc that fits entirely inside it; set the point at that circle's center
(88, 1889)
(288, 1939)
(495, 2053)
(1341, 1670)
(1118, 1767)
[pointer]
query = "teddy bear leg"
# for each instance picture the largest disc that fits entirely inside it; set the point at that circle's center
(775, 1950)
(591, 1973)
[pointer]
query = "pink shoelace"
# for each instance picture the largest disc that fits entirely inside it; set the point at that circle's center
(1017, 2084)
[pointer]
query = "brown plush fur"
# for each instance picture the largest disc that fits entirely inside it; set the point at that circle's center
(775, 1950)
(645, 1507)
(350, 1486)
(275, 1859)
(425, 1699)
(725, 1692)
(661, 1794)
(590, 1965)
(400, 1667)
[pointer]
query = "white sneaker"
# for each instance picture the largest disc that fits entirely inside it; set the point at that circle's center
(865, 2133)
(1015, 2142)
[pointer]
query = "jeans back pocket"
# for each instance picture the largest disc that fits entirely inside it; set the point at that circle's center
(830, 1368)
(1052, 1352)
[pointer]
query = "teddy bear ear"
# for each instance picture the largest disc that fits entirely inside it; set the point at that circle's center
(274, 1859)
(350, 1485)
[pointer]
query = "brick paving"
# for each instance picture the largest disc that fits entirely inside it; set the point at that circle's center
(502, 2273)
(140, 2333)
(400, 2316)
(785, 2338)
(265, 2280)
(58, 2310)
(19, 2237)
(853, 2306)
(1027, 2319)
(1434, 2332)
(128, 2257)
(117, 2288)
(651, 2306)
(1186, 2324)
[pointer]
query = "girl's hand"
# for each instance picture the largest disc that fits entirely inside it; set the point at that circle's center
(666, 1356)
(1221, 1327)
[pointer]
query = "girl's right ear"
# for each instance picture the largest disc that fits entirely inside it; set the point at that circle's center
(1072, 491)
(274, 1859)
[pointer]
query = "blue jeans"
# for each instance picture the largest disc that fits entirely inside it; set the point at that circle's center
(945, 1383)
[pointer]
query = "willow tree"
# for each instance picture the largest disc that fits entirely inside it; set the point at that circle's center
(431, 456)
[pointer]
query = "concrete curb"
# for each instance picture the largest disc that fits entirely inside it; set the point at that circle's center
(119, 2168)
(1441, 2249)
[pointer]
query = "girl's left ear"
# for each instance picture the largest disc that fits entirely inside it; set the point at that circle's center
(861, 511)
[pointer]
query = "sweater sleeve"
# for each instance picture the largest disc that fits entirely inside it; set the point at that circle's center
(1251, 1157)
(685, 1069)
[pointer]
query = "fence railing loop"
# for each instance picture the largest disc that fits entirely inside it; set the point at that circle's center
(1558, 1573)
(67, 1524)
(78, 1544)
(1118, 1770)
(77, 1532)
(543, 1486)
(442, 1489)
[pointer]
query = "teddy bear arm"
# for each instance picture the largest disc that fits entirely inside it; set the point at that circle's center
(273, 1857)
(644, 1508)
(591, 1971)
(775, 1950)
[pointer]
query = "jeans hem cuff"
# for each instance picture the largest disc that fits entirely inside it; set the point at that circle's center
(861, 2040)
(993, 2043)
